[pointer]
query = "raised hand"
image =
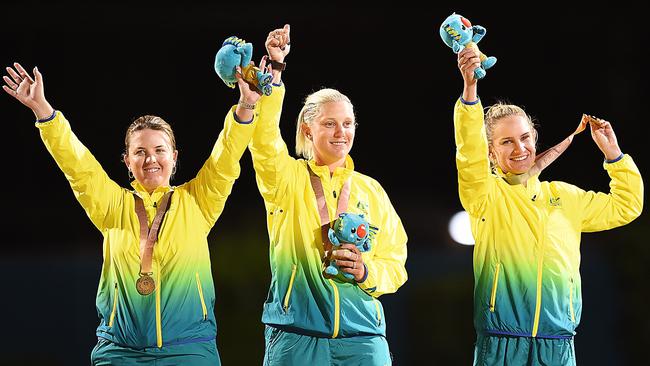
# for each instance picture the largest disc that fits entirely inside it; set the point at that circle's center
(605, 138)
(468, 61)
(248, 94)
(27, 90)
(278, 43)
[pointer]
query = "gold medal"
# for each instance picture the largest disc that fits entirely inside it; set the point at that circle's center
(145, 284)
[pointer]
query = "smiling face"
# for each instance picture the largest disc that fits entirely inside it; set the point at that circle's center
(332, 133)
(151, 158)
(513, 144)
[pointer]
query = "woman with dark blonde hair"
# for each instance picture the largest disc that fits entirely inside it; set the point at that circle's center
(156, 294)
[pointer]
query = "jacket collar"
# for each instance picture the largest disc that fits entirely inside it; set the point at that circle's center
(533, 185)
(155, 196)
(323, 170)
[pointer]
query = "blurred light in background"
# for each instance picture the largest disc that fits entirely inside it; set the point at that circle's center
(459, 228)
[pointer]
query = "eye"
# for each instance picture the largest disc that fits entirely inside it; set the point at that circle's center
(463, 27)
(330, 124)
(354, 230)
(139, 152)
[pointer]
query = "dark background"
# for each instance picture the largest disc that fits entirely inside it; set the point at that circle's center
(105, 64)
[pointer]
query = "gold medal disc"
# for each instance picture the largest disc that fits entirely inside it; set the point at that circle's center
(145, 285)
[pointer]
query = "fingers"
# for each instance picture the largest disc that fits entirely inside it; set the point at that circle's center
(23, 74)
(263, 63)
(10, 83)
(14, 75)
(38, 76)
(10, 91)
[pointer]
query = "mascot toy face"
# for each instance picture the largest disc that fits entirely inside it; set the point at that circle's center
(353, 229)
(456, 28)
(458, 33)
(237, 52)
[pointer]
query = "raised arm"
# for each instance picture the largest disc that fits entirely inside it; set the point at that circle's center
(471, 143)
(91, 185)
(271, 157)
(624, 202)
(215, 180)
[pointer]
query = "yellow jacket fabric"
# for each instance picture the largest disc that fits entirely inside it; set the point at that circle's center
(527, 252)
(181, 309)
(300, 299)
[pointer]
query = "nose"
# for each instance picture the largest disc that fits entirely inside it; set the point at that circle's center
(338, 131)
(520, 147)
(150, 158)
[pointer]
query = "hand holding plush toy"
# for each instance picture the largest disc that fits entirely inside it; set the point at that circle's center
(458, 33)
(237, 52)
(348, 228)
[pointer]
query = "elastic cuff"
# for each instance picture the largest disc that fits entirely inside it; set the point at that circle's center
(469, 103)
(615, 160)
(48, 118)
(242, 122)
(365, 276)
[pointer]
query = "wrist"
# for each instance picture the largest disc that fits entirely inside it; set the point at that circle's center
(278, 65)
(43, 112)
(245, 105)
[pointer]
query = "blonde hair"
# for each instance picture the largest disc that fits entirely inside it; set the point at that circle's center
(310, 110)
(501, 110)
(152, 123)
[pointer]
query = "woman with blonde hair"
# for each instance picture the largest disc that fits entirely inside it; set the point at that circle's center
(527, 299)
(312, 317)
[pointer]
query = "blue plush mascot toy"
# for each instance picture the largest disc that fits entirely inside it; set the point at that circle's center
(458, 33)
(237, 52)
(353, 229)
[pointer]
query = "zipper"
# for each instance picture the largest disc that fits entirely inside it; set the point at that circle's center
(495, 284)
(203, 307)
(159, 341)
(378, 311)
(337, 310)
(112, 318)
(538, 301)
(573, 316)
(285, 305)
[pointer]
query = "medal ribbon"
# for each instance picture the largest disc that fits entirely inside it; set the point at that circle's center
(545, 158)
(149, 236)
(323, 212)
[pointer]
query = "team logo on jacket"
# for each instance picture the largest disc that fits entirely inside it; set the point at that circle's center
(555, 201)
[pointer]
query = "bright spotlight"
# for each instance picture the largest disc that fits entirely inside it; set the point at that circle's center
(459, 228)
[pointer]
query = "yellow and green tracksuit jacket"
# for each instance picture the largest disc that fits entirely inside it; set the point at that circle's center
(527, 251)
(300, 299)
(181, 309)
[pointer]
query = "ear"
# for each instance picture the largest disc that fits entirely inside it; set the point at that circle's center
(175, 154)
(306, 130)
(125, 158)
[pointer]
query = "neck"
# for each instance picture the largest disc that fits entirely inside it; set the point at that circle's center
(332, 166)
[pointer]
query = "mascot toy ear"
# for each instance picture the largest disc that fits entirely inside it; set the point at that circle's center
(237, 52)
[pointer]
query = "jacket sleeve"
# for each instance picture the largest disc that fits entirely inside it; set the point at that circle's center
(214, 181)
(386, 270)
(271, 159)
(471, 156)
(92, 187)
(623, 203)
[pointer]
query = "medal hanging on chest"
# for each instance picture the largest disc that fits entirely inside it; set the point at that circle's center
(145, 284)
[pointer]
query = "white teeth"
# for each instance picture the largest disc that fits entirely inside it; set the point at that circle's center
(520, 158)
